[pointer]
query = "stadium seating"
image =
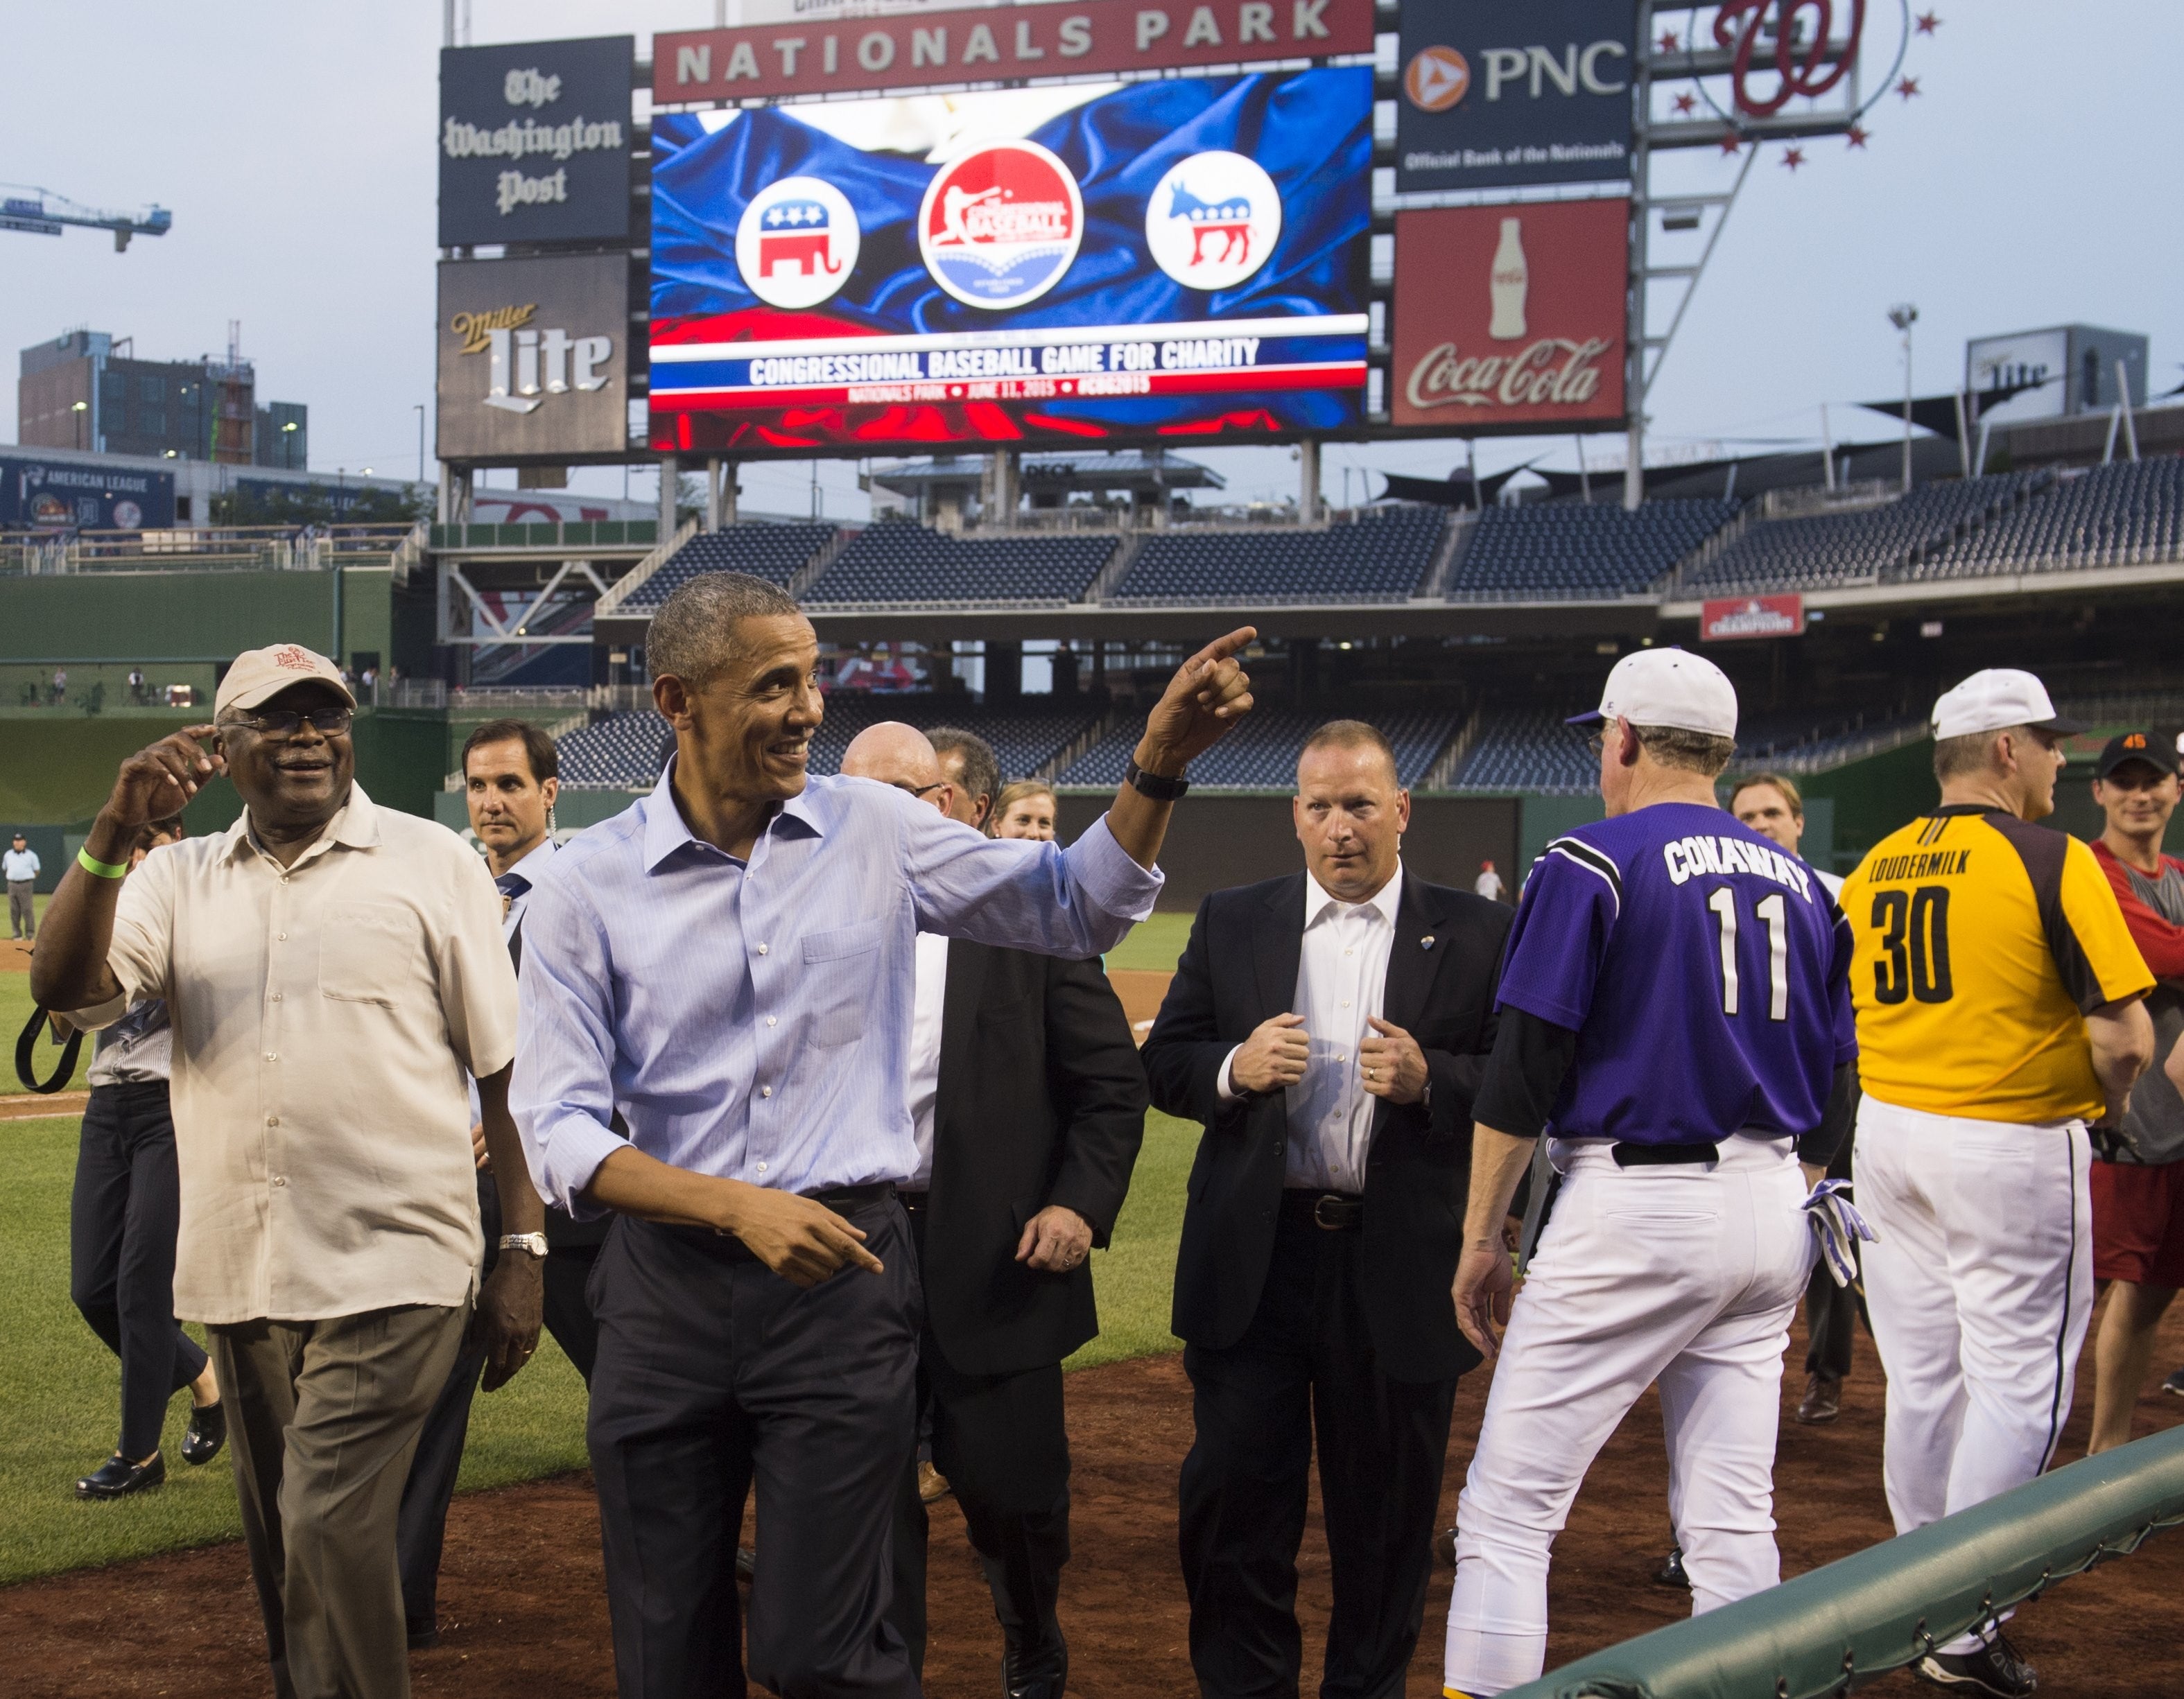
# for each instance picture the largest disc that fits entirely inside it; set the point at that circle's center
(1382, 558)
(776, 552)
(1528, 749)
(1262, 752)
(2115, 515)
(1568, 552)
(626, 751)
(1865, 545)
(895, 562)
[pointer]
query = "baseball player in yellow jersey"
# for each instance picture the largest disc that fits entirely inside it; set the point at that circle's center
(1998, 1011)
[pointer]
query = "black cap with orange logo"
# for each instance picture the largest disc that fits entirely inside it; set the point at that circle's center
(2157, 750)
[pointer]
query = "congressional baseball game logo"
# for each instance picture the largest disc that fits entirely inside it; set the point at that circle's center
(1001, 226)
(797, 242)
(1213, 220)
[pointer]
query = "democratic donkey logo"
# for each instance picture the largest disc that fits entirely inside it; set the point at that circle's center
(1213, 220)
(797, 242)
(1001, 226)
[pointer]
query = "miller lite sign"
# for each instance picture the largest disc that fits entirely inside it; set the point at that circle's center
(1509, 316)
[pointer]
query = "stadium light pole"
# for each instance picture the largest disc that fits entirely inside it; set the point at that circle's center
(1903, 315)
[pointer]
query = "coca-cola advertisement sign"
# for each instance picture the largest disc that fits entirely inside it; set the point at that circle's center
(1510, 315)
(1752, 616)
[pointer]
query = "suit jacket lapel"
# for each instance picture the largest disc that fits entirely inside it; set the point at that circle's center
(1414, 958)
(1277, 947)
(959, 1013)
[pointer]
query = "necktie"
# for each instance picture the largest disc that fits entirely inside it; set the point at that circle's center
(511, 887)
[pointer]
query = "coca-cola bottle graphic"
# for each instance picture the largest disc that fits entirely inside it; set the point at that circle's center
(1511, 279)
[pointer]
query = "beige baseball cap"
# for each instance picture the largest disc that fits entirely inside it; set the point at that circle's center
(258, 675)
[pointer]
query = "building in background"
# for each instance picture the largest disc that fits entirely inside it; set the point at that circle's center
(87, 391)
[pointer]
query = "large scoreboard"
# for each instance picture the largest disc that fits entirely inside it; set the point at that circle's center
(1185, 257)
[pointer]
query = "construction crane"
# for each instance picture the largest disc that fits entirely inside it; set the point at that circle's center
(40, 212)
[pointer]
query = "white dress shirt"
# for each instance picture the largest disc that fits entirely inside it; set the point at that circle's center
(1342, 976)
(923, 1079)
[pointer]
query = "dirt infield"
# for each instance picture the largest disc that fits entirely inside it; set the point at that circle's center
(523, 1615)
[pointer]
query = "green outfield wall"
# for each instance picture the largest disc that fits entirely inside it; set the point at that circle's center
(162, 620)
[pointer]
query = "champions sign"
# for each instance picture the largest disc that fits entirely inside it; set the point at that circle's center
(1752, 616)
(1509, 316)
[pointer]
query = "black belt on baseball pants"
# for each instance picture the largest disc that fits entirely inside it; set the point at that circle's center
(714, 1374)
(1305, 1367)
(1001, 1442)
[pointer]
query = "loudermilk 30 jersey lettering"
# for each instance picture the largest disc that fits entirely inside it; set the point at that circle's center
(1705, 972)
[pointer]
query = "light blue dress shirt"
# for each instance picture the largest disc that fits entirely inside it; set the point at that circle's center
(751, 1020)
(18, 864)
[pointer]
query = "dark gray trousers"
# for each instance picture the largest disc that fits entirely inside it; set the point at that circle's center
(716, 1375)
(122, 1218)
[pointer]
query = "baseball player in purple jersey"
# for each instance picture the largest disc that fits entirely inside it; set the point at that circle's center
(1674, 1016)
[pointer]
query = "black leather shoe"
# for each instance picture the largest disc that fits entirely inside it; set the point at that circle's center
(1671, 1571)
(206, 1434)
(1994, 1668)
(746, 1563)
(423, 1637)
(117, 1477)
(1040, 1674)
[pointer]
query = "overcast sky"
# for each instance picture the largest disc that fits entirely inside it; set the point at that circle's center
(295, 147)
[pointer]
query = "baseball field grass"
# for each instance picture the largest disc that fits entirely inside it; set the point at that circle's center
(60, 1409)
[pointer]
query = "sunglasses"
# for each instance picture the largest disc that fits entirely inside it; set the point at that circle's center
(286, 722)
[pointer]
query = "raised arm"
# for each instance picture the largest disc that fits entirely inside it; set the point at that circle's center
(1210, 693)
(68, 970)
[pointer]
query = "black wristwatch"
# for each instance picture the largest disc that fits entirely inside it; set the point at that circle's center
(1152, 784)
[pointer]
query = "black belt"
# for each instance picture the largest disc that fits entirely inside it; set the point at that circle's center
(1629, 1156)
(843, 1199)
(727, 1248)
(1333, 1212)
(913, 1201)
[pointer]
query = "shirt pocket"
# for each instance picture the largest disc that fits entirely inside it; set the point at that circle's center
(369, 952)
(839, 975)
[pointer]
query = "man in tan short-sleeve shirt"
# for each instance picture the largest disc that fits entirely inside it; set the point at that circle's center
(333, 969)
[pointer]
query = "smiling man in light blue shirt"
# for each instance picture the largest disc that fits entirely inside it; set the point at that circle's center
(730, 964)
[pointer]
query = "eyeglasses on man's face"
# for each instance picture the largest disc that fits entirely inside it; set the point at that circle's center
(905, 786)
(286, 722)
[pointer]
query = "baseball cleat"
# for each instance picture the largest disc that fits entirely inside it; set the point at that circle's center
(1671, 1571)
(2175, 1383)
(1994, 1668)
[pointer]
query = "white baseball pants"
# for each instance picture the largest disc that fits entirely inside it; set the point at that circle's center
(1979, 1290)
(1686, 1274)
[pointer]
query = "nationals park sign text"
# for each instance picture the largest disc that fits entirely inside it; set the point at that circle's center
(697, 67)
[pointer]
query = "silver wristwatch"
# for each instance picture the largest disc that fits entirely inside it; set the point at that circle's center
(535, 1243)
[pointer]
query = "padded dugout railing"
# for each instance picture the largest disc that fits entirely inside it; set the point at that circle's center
(1879, 1609)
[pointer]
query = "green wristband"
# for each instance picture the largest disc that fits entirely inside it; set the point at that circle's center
(99, 869)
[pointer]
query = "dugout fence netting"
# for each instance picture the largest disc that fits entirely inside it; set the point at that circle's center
(1877, 1610)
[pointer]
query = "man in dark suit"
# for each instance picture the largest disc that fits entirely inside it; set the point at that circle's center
(1329, 1030)
(1028, 1106)
(511, 775)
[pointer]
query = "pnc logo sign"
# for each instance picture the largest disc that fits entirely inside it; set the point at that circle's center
(1438, 78)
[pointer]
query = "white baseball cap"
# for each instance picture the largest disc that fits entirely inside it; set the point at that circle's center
(258, 674)
(1995, 699)
(1667, 687)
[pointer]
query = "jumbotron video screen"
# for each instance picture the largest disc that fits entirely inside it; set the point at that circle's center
(1181, 259)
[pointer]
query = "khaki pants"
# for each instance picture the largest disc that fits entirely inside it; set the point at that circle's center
(22, 918)
(324, 1417)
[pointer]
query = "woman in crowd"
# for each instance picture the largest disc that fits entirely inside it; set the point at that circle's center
(122, 1223)
(1025, 809)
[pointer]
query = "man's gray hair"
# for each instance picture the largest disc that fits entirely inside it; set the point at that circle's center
(982, 768)
(696, 633)
(1697, 752)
